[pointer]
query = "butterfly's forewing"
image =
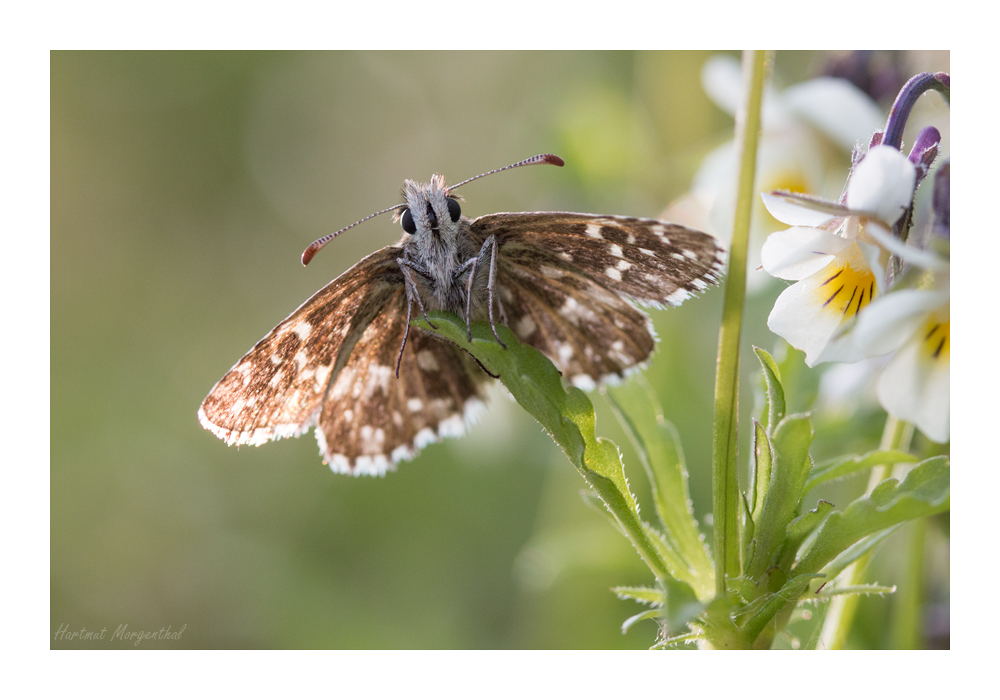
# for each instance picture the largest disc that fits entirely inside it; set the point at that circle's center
(565, 279)
(278, 388)
(371, 419)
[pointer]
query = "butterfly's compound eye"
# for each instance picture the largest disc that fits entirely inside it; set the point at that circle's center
(407, 220)
(454, 211)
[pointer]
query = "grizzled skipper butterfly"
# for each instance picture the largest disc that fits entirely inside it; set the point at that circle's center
(347, 363)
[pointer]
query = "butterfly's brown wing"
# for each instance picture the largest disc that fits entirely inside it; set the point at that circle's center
(371, 420)
(566, 281)
(278, 388)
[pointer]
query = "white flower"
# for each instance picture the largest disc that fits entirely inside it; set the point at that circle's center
(916, 324)
(837, 268)
(794, 152)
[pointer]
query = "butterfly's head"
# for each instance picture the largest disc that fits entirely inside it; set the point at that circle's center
(431, 214)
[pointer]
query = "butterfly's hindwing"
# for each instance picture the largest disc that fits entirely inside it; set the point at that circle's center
(371, 420)
(277, 389)
(590, 333)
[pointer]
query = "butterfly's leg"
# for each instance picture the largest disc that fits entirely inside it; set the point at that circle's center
(406, 334)
(491, 284)
(408, 267)
(472, 263)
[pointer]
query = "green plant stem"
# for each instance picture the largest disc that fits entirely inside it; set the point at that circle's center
(725, 484)
(840, 615)
(906, 631)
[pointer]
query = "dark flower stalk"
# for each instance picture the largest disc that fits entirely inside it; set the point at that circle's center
(914, 88)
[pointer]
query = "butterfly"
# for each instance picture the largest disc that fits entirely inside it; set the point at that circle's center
(376, 390)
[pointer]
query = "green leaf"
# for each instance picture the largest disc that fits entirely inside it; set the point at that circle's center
(594, 501)
(774, 603)
(747, 542)
(644, 615)
(566, 414)
(642, 594)
(681, 639)
(658, 446)
(804, 524)
(674, 604)
(789, 470)
(924, 491)
(856, 550)
(799, 530)
(774, 409)
(681, 605)
(860, 589)
(761, 468)
(799, 382)
(844, 466)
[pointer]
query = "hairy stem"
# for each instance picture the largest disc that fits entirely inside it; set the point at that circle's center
(725, 485)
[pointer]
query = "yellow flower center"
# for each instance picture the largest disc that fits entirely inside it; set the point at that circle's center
(845, 289)
(936, 335)
(788, 180)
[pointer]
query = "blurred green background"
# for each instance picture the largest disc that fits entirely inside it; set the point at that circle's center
(184, 186)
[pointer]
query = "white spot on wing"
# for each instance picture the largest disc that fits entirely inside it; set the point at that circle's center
(575, 312)
(427, 362)
(338, 463)
(300, 360)
(616, 250)
(372, 439)
(375, 465)
(378, 378)
(424, 438)
(414, 405)
(402, 452)
(344, 382)
(617, 353)
(594, 231)
(565, 353)
(614, 273)
(678, 296)
(453, 426)
(525, 327)
(583, 381)
(474, 408)
(321, 374)
(302, 329)
(259, 436)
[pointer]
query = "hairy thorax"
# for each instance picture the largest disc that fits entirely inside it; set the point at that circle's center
(443, 255)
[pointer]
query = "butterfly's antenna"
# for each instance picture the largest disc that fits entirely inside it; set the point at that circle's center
(316, 245)
(534, 160)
